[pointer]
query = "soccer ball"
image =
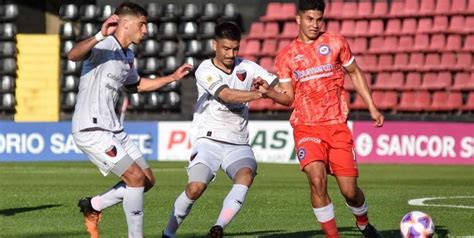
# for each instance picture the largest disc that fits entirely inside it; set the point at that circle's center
(416, 224)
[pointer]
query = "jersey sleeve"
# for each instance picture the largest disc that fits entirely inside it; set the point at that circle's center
(345, 54)
(210, 81)
(132, 78)
(283, 67)
(259, 71)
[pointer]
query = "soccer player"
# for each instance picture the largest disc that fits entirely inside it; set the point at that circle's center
(96, 128)
(220, 137)
(311, 71)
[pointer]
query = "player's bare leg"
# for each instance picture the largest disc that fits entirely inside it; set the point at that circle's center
(355, 201)
(322, 207)
(233, 202)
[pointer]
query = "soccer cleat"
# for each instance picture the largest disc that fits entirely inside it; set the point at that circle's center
(370, 232)
(91, 216)
(163, 235)
(216, 232)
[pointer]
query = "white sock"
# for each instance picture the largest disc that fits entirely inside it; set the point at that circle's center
(359, 211)
(324, 214)
(133, 208)
(182, 207)
(111, 197)
(232, 204)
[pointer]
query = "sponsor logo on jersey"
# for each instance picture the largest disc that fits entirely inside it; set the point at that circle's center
(309, 139)
(324, 49)
(321, 69)
(113, 76)
(108, 86)
(301, 153)
(241, 74)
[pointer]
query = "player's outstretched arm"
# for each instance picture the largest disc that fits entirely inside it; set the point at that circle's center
(83, 48)
(229, 95)
(282, 93)
(360, 85)
(148, 85)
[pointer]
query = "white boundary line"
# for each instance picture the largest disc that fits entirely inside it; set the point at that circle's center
(421, 202)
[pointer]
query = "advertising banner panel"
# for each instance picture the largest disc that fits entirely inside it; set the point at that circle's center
(54, 142)
(415, 143)
(272, 141)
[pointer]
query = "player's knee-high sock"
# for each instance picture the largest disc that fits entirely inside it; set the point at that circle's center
(182, 207)
(325, 217)
(232, 204)
(111, 197)
(133, 208)
(360, 214)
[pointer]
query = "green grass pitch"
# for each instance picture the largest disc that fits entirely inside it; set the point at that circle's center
(39, 200)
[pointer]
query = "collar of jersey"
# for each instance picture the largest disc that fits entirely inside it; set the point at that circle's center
(233, 67)
(123, 50)
(311, 41)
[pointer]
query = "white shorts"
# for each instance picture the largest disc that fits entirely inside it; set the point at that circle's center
(109, 151)
(215, 154)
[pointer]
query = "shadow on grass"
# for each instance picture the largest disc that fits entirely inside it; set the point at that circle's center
(14, 211)
(441, 232)
(53, 234)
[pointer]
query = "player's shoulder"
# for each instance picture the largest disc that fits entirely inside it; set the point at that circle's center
(245, 63)
(107, 43)
(205, 67)
(205, 64)
(333, 37)
(286, 49)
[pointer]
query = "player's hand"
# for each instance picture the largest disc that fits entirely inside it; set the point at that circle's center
(181, 72)
(377, 117)
(261, 85)
(110, 25)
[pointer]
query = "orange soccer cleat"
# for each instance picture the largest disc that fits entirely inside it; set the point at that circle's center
(91, 216)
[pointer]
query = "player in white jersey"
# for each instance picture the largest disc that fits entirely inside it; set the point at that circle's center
(220, 137)
(97, 129)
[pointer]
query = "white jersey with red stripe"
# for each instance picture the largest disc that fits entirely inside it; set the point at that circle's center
(104, 72)
(215, 119)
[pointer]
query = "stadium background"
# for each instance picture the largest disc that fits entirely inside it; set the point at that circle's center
(417, 56)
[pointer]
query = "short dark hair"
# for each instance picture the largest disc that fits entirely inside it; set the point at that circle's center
(305, 5)
(130, 8)
(227, 30)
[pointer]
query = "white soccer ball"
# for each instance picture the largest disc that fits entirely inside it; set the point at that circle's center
(417, 224)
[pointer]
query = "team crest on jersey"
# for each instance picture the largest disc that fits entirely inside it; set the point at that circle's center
(301, 153)
(324, 49)
(241, 74)
(210, 79)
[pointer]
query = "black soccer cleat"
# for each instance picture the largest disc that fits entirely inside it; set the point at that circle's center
(85, 205)
(216, 232)
(163, 235)
(370, 232)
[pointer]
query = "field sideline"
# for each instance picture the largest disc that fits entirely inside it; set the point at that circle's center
(39, 200)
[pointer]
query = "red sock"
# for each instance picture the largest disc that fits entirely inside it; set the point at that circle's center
(362, 220)
(330, 228)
